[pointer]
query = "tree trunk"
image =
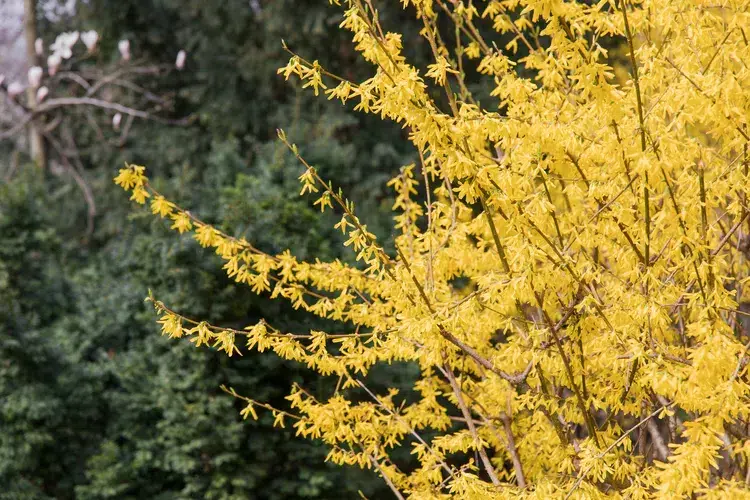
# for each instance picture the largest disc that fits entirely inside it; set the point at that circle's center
(36, 140)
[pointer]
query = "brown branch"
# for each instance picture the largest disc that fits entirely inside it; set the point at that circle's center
(93, 102)
(658, 440)
(387, 480)
(517, 466)
(147, 70)
(588, 419)
(112, 106)
(472, 428)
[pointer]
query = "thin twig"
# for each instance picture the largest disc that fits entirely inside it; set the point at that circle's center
(488, 467)
(512, 450)
(388, 481)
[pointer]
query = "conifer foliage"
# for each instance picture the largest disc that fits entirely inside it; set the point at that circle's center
(569, 265)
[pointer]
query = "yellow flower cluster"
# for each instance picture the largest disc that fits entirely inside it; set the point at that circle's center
(133, 178)
(597, 345)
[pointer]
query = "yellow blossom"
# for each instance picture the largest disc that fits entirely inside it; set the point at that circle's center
(567, 265)
(182, 222)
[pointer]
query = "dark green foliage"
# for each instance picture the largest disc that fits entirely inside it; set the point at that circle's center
(94, 403)
(48, 402)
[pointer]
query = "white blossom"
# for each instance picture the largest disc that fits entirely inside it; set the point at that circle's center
(116, 121)
(180, 61)
(64, 44)
(90, 39)
(39, 46)
(124, 48)
(35, 76)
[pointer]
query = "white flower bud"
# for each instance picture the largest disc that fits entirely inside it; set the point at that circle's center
(41, 93)
(39, 46)
(180, 61)
(124, 47)
(53, 62)
(35, 76)
(90, 39)
(116, 121)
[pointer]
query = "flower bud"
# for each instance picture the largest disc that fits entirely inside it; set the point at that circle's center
(41, 93)
(35, 76)
(53, 63)
(124, 47)
(90, 39)
(180, 61)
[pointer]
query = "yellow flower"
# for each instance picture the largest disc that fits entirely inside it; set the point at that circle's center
(130, 177)
(205, 235)
(160, 206)
(139, 195)
(182, 222)
(565, 266)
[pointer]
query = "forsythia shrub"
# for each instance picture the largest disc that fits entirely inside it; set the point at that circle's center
(569, 266)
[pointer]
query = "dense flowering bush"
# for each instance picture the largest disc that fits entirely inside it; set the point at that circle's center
(570, 261)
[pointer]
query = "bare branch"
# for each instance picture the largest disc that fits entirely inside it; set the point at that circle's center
(488, 467)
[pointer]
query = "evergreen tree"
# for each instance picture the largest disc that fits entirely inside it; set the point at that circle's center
(96, 403)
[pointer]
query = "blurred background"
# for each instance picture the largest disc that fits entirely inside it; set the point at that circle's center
(94, 403)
